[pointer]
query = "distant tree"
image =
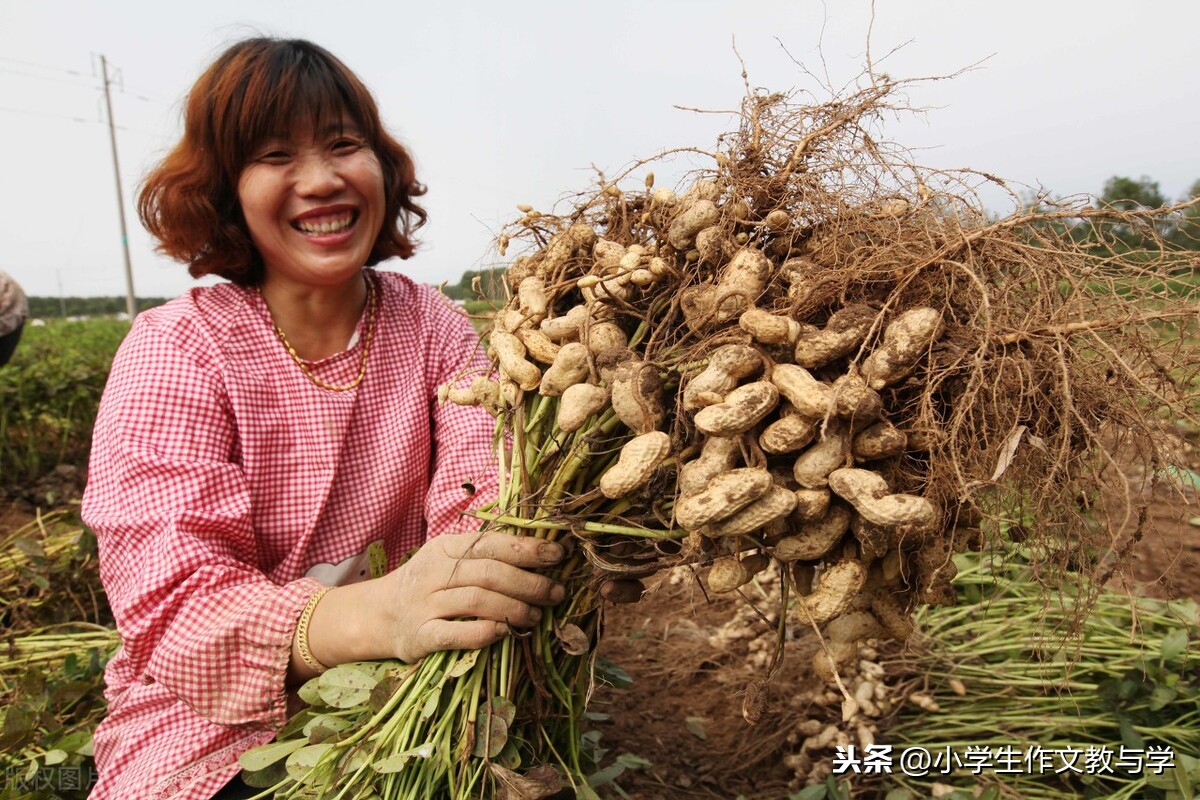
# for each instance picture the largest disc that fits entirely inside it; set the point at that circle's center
(1134, 239)
(1122, 193)
(1127, 194)
(52, 307)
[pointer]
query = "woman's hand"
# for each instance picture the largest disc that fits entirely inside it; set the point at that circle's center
(462, 590)
(467, 590)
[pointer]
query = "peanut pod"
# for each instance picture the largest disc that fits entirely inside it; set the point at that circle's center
(843, 334)
(579, 401)
(701, 190)
(531, 298)
(776, 504)
(815, 539)
(569, 368)
(724, 496)
(741, 410)
(838, 585)
(637, 395)
(605, 339)
(487, 394)
(607, 256)
(810, 397)
(881, 440)
(868, 492)
(896, 623)
(742, 281)
(905, 340)
(854, 400)
(718, 454)
(727, 365)
(787, 434)
(835, 656)
(564, 246)
(813, 466)
(565, 327)
(854, 626)
(690, 221)
(509, 351)
(538, 344)
(729, 573)
(769, 328)
(811, 504)
(699, 306)
(459, 395)
(638, 460)
(713, 245)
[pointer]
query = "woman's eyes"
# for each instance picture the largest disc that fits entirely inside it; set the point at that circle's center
(341, 146)
(345, 146)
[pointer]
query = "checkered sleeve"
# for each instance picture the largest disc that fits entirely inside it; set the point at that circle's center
(464, 461)
(171, 510)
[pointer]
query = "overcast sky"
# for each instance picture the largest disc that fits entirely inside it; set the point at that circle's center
(506, 103)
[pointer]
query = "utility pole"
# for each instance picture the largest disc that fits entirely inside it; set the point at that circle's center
(130, 298)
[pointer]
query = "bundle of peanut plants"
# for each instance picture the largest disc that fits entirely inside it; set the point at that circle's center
(815, 357)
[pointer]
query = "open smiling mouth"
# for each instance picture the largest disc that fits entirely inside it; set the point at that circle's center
(326, 224)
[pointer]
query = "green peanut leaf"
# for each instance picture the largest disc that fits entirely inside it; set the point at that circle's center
(266, 755)
(301, 763)
(345, 687)
(396, 761)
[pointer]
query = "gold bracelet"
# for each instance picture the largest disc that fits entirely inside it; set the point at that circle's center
(302, 633)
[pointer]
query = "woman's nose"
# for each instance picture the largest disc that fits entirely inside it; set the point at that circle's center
(317, 175)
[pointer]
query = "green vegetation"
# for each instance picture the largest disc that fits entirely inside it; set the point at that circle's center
(1132, 233)
(1009, 667)
(49, 393)
(60, 307)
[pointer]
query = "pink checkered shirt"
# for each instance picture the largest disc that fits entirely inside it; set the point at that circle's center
(226, 488)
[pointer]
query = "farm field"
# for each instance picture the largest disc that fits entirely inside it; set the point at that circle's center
(677, 729)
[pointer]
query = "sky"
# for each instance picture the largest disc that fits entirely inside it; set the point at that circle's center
(507, 103)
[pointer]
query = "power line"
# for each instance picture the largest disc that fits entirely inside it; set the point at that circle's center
(47, 78)
(124, 128)
(48, 114)
(83, 81)
(107, 83)
(148, 98)
(46, 67)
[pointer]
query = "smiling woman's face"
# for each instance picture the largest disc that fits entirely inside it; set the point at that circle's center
(314, 204)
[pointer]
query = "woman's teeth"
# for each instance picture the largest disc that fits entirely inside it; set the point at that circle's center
(325, 225)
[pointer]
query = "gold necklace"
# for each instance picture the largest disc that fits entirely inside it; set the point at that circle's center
(362, 362)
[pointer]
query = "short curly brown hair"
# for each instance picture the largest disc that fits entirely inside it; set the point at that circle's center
(258, 89)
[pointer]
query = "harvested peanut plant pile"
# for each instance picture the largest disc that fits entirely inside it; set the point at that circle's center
(57, 638)
(1004, 669)
(817, 358)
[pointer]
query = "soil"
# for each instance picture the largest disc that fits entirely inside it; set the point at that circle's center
(694, 663)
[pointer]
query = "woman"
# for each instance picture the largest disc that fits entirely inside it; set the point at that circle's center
(268, 450)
